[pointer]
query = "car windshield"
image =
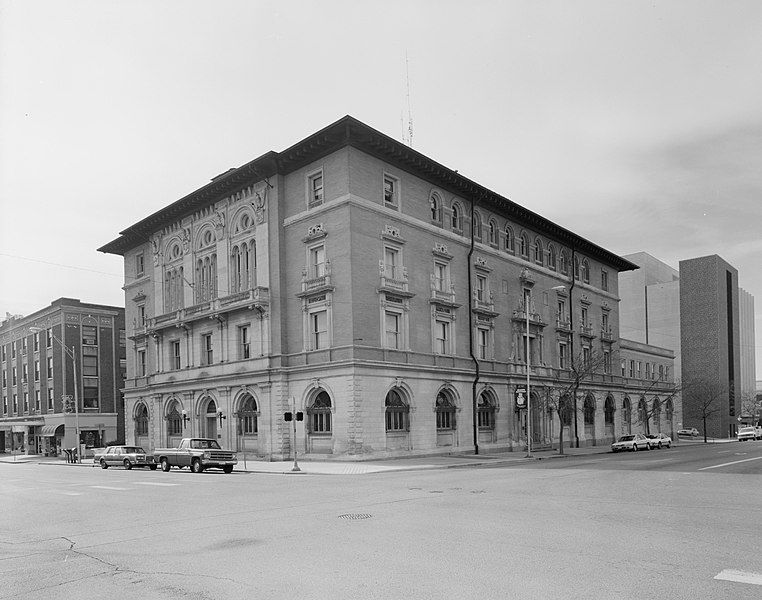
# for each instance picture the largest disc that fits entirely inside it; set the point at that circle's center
(205, 444)
(133, 450)
(626, 438)
(746, 429)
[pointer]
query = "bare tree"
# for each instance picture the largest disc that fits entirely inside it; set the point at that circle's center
(751, 405)
(560, 396)
(706, 397)
(660, 392)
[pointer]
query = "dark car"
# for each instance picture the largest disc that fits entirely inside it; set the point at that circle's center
(124, 456)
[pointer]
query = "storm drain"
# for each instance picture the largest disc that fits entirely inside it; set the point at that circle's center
(355, 516)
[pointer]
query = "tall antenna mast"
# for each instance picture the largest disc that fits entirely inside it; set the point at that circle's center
(408, 135)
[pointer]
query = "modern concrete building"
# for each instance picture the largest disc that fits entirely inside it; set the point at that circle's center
(711, 344)
(39, 354)
(387, 297)
(747, 340)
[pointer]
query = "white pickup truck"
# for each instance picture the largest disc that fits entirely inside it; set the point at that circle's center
(198, 454)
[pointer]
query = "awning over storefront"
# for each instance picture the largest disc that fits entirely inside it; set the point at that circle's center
(50, 430)
(19, 428)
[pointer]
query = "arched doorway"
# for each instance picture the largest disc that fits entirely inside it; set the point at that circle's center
(320, 423)
(485, 416)
(626, 416)
(608, 417)
(141, 426)
(589, 418)
(210, 419)
(445, 410)
(397, 420)
(174, 424)
(656, 415)
(247, 428)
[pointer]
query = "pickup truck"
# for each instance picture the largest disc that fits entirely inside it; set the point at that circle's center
(196, 453)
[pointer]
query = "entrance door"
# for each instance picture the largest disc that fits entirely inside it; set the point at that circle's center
(211, 426)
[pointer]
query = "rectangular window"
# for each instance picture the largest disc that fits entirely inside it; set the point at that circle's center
(666, 373)
(23, 345)
(2, 353)
(584, 317)
(50, 399)
(139, 265)
(244, 341)
(13, 349)
(37, 370)
(392, 322)
(89, 335)
(90, 396)
(481, 288)
(5, 405)
(319, 330)
(175, 349)
(391, 193)
(392, 263)
(562, 352)
(483, 343)
(5, 379)
(141, 366)
(207, 349)
(37, 400)
(632, 369)
(605, 321)
(122, 338)
(648, 370)
(607, 362)
(26, 402)
(317, 262)
(442, 337)
(624, 368)
(661, 372)
(36, 341)
(316, 189)
(90, 366)
(23, 373)
(49, 338)
(604, 280)
(141, 316)
(586, 356)
(15, 403)
(14, 379)
(50, 367)
(440, 277)
(640, 365)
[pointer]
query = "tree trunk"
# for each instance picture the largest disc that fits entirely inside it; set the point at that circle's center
(560, 433)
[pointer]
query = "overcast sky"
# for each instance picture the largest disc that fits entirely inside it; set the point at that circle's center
(637, 124)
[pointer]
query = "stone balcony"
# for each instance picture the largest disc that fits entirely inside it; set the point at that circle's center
(607, 334)
(535, 318)
(317, 282)
(258, 297)
(393, 280)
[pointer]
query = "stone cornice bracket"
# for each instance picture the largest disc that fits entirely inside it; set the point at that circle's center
(526, 277)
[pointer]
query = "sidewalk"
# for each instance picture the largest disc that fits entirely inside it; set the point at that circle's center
(337, 467)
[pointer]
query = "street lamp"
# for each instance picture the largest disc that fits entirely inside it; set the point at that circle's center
(527, 298)
(72, 356)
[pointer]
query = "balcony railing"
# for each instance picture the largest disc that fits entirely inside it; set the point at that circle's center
(563, 324)
(586, 330)
(520, 315)
(258, 297)
(317, 281)
(607, 334)
(393, 278)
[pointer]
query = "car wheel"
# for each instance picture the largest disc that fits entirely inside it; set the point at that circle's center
(196, 466)
(634, 447)
(152, 467)
(659, 445)
(228, 468)
(127, 464)
(164, 465)
(103, 464)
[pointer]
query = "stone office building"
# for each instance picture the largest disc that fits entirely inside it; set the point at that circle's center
(384, 295)
(38, 377)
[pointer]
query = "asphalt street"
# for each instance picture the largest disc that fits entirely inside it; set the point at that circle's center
(678, 523)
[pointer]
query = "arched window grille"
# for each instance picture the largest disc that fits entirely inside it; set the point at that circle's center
(435, 203)
(319, 414)
(477, 225)
(485, 411)
(397, 412)
(608, 411)
(243, 266)
(509, 241)
(492, 232)
(589, 411)
(642, 411)
(456, 221)
(247, 417)
(445, 409)
(551, 257)
(585, 271)
(563, 263)
(524, 245)
(538, 252)
(141, 420)
(174, 421)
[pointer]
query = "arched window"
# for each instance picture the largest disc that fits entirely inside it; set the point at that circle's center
(319, 414)
(211, 407)
(247, 416)
(509, 241)
(551, 257)
(485, 411)
(626, 414)
(589, 410)
(477, 225)
(656, 413)
(585, 271)
(538, 252)
(563, 263)
(435, 204)
(445, 409)
(608, 411)
(243, 266)
(669, 411)
(642, 411)
(396, 412)
(141, 420)
(576, 268)
(492, 232)
(456, 221)
(565, 407)
(524, 245)
(174, 420)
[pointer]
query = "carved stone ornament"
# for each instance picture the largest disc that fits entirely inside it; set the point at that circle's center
(481, 262)
(260, 200)
(316, 231)
(155, 244)
(219, 224)
(391, 231)
(440, 248)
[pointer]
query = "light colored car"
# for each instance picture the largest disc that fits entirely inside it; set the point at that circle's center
(692, 431)
(124, 456)
(659, 440)
(631, 441)
(747, 433)
(758, 432)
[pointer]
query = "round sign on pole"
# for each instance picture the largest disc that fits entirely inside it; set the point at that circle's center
(520, 397)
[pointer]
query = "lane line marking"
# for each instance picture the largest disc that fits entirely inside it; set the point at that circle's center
(71, 493)
(105, 487)
(154, 483)
(735, 462)
(739, 576)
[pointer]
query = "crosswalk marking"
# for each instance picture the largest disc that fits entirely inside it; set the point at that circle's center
(739, 576)
(154, 483)
(735, 462)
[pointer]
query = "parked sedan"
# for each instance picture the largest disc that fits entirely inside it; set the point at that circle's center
(124, 456)
(631, 441)
(691, 431)
(660, 440)
(747, 433)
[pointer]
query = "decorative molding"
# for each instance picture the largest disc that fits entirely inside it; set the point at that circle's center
(440, 249)
(391, 232)
(315, 232)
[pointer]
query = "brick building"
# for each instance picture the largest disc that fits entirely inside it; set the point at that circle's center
(384, 295)
(38, 385)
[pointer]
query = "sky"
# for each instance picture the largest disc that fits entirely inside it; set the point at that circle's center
(635, 124)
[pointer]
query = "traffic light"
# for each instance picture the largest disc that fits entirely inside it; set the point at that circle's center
(300, 416)
(288, 416)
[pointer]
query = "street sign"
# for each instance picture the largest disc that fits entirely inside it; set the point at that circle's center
(521, 398)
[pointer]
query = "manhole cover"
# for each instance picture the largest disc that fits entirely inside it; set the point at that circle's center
(355, 516)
